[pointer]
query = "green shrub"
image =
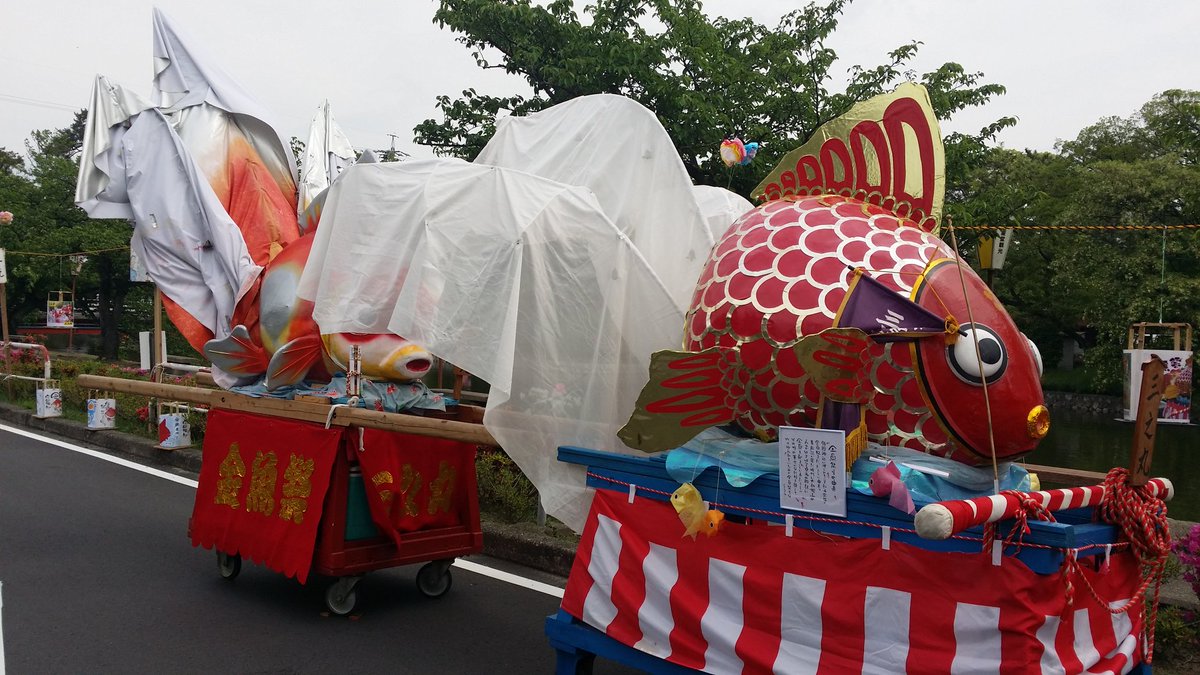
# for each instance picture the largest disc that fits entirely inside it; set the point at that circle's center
(133, 411)
(504, 492)
(1176, 641)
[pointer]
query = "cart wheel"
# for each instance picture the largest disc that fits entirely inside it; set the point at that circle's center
(434, 579)
(341, 595)
(229, 565)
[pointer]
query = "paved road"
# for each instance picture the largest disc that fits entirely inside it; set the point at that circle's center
(97, 576)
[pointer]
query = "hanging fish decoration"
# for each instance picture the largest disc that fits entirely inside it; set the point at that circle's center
(887, 482)
(694, 513)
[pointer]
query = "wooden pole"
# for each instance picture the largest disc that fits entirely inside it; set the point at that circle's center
(1145, 423)
(156, 338)
(297, 410)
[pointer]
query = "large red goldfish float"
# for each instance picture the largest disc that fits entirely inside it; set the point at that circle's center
(835, 305)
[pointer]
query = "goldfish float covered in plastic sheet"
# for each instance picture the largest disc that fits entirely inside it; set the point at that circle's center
(275, 336)
(208, 184)
(835, 305)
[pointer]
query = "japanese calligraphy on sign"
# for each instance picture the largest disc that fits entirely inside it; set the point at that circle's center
(1147, 421)
(812, 470)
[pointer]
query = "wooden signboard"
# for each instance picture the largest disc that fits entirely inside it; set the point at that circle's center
(1146, 423)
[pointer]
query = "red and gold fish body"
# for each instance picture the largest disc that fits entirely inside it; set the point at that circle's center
(835, 305)
(782, 272)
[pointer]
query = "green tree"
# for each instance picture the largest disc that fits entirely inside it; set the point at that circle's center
(49, 225)
(10, 163)
(704, 77)
(1092, 282)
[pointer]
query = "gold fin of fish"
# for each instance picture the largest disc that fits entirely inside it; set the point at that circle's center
(692, 512)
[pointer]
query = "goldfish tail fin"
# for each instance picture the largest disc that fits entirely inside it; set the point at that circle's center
(292, 362)
(885, 151)
(237, 354)
(683, 397)
(901, 499)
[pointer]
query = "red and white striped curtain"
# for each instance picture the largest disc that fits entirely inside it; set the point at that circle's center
(753, 600)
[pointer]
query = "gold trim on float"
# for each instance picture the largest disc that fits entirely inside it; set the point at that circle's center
(919, 365)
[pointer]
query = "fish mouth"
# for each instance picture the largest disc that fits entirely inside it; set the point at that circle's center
(1038, 422)
(418, 366)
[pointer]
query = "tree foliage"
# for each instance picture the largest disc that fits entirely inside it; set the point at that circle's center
(1092, 283)
(703, 76)
(47, 225)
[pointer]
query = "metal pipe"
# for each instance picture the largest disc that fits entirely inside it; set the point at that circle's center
(34, 345)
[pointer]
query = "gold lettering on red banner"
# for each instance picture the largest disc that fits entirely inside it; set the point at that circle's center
(297, 486)
(441, 490)
(410, 484)
(264, 473)
(229, 478)
(380, 479)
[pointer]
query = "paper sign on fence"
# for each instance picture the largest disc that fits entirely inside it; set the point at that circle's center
(812, 470)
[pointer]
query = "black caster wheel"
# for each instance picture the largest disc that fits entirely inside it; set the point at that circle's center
(229, 565)
(434, 579)
(341, 595)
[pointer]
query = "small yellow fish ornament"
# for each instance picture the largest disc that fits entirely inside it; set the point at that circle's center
(690, 507)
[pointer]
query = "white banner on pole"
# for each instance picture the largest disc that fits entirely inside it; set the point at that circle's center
(1000, 248)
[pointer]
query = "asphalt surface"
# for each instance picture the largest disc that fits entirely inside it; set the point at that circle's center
(97, 575)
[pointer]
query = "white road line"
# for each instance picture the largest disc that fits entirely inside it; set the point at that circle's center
(99, 455)
(508, 577)
(491, 572)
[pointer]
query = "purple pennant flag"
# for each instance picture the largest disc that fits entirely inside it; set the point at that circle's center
(884, 314)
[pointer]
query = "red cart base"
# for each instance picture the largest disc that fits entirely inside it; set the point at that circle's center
(418, 502)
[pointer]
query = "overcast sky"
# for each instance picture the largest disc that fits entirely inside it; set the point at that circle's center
(381, 63)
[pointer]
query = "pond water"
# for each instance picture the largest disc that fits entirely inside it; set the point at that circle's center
(1093, 443)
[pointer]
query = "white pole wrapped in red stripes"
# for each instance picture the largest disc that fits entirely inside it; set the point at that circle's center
(943, 519)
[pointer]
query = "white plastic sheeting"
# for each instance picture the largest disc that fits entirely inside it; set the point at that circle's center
(191, 247)
(188, 84)
(327, 153)
(720, 208)
(100, 187)
(521, 280)
(618, 149)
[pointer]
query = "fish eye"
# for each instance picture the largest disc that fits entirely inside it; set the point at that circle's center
(990, 362)
(1037, 355)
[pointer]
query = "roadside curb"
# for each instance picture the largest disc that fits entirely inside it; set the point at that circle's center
(523, 543)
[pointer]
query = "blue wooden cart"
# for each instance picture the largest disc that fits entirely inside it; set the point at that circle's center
(1043, 550)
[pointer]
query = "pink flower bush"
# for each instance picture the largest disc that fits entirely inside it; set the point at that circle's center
(6, 217)
(1187, 549)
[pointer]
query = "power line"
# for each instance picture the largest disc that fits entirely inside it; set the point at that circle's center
(38, 103)
(1030, 228)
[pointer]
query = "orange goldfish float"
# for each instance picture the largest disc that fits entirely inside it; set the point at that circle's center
(834, 304)
(275, 336)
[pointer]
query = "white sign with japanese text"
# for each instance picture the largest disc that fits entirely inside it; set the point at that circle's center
(812, 470)
(3, 270)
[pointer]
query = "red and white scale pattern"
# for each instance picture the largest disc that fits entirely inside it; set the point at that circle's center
(780, 273)
(749, 602)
